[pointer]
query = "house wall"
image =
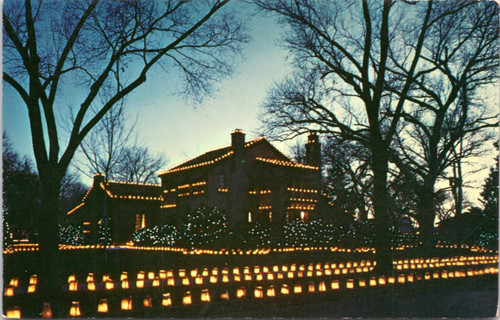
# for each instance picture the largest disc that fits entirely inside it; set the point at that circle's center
(123, 217)
(229, 183)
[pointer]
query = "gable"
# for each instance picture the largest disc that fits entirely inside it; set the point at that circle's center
(205, 157)
(122, 190)
(264, 149)
(255, 147)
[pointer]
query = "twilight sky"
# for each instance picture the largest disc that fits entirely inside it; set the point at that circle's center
(170, 126)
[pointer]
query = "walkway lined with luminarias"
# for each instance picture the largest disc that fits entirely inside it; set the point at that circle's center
(185, 286)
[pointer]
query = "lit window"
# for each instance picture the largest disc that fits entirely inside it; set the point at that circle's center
(140, 221)
(270, 216)
(304, 216)
(249, 217)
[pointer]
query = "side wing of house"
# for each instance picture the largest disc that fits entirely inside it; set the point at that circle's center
(124, 207)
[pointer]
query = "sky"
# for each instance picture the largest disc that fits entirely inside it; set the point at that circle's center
(172, 127)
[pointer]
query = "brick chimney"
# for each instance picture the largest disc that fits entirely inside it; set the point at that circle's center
(238, 140)
(313, 150)
(98, 178)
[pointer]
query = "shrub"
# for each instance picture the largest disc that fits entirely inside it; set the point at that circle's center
(205, 228)
(166, 235)
(256, 236)
(72, 235)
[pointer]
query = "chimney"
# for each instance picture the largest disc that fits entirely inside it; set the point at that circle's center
(313, 150)
(98, 179)
(237, 140)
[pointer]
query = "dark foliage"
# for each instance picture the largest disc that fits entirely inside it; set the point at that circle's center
(166, 235)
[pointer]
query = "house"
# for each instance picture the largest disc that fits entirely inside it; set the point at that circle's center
(126, 206)
(251, 181)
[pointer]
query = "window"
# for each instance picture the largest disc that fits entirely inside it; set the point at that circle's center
(86, 226)
(270, 216)
(140, 221)
(304, 216)
(249, 217)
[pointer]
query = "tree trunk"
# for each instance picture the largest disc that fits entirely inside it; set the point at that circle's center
(383, 232)
(426, 217)
(50, 281)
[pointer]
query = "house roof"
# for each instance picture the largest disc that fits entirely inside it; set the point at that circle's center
(207, 156)
(125, 190)
(217, 155)
(119, 188)
(292, 164)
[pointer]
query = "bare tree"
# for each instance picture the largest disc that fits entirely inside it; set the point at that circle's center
(91, 47)
(348, 178)
(72, 192)
(448, 120)
(138, 164)
(346, 174)
(103, 148)
(298, 152)
(113, 150)
(343, 51)
(363, 70)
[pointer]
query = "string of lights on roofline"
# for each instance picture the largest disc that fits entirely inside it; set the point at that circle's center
(75, 208)
(197, 165)
(132, 197)
(287, 163)
(127, 182)
(133, 183)
(114, 196)
(182, 166)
